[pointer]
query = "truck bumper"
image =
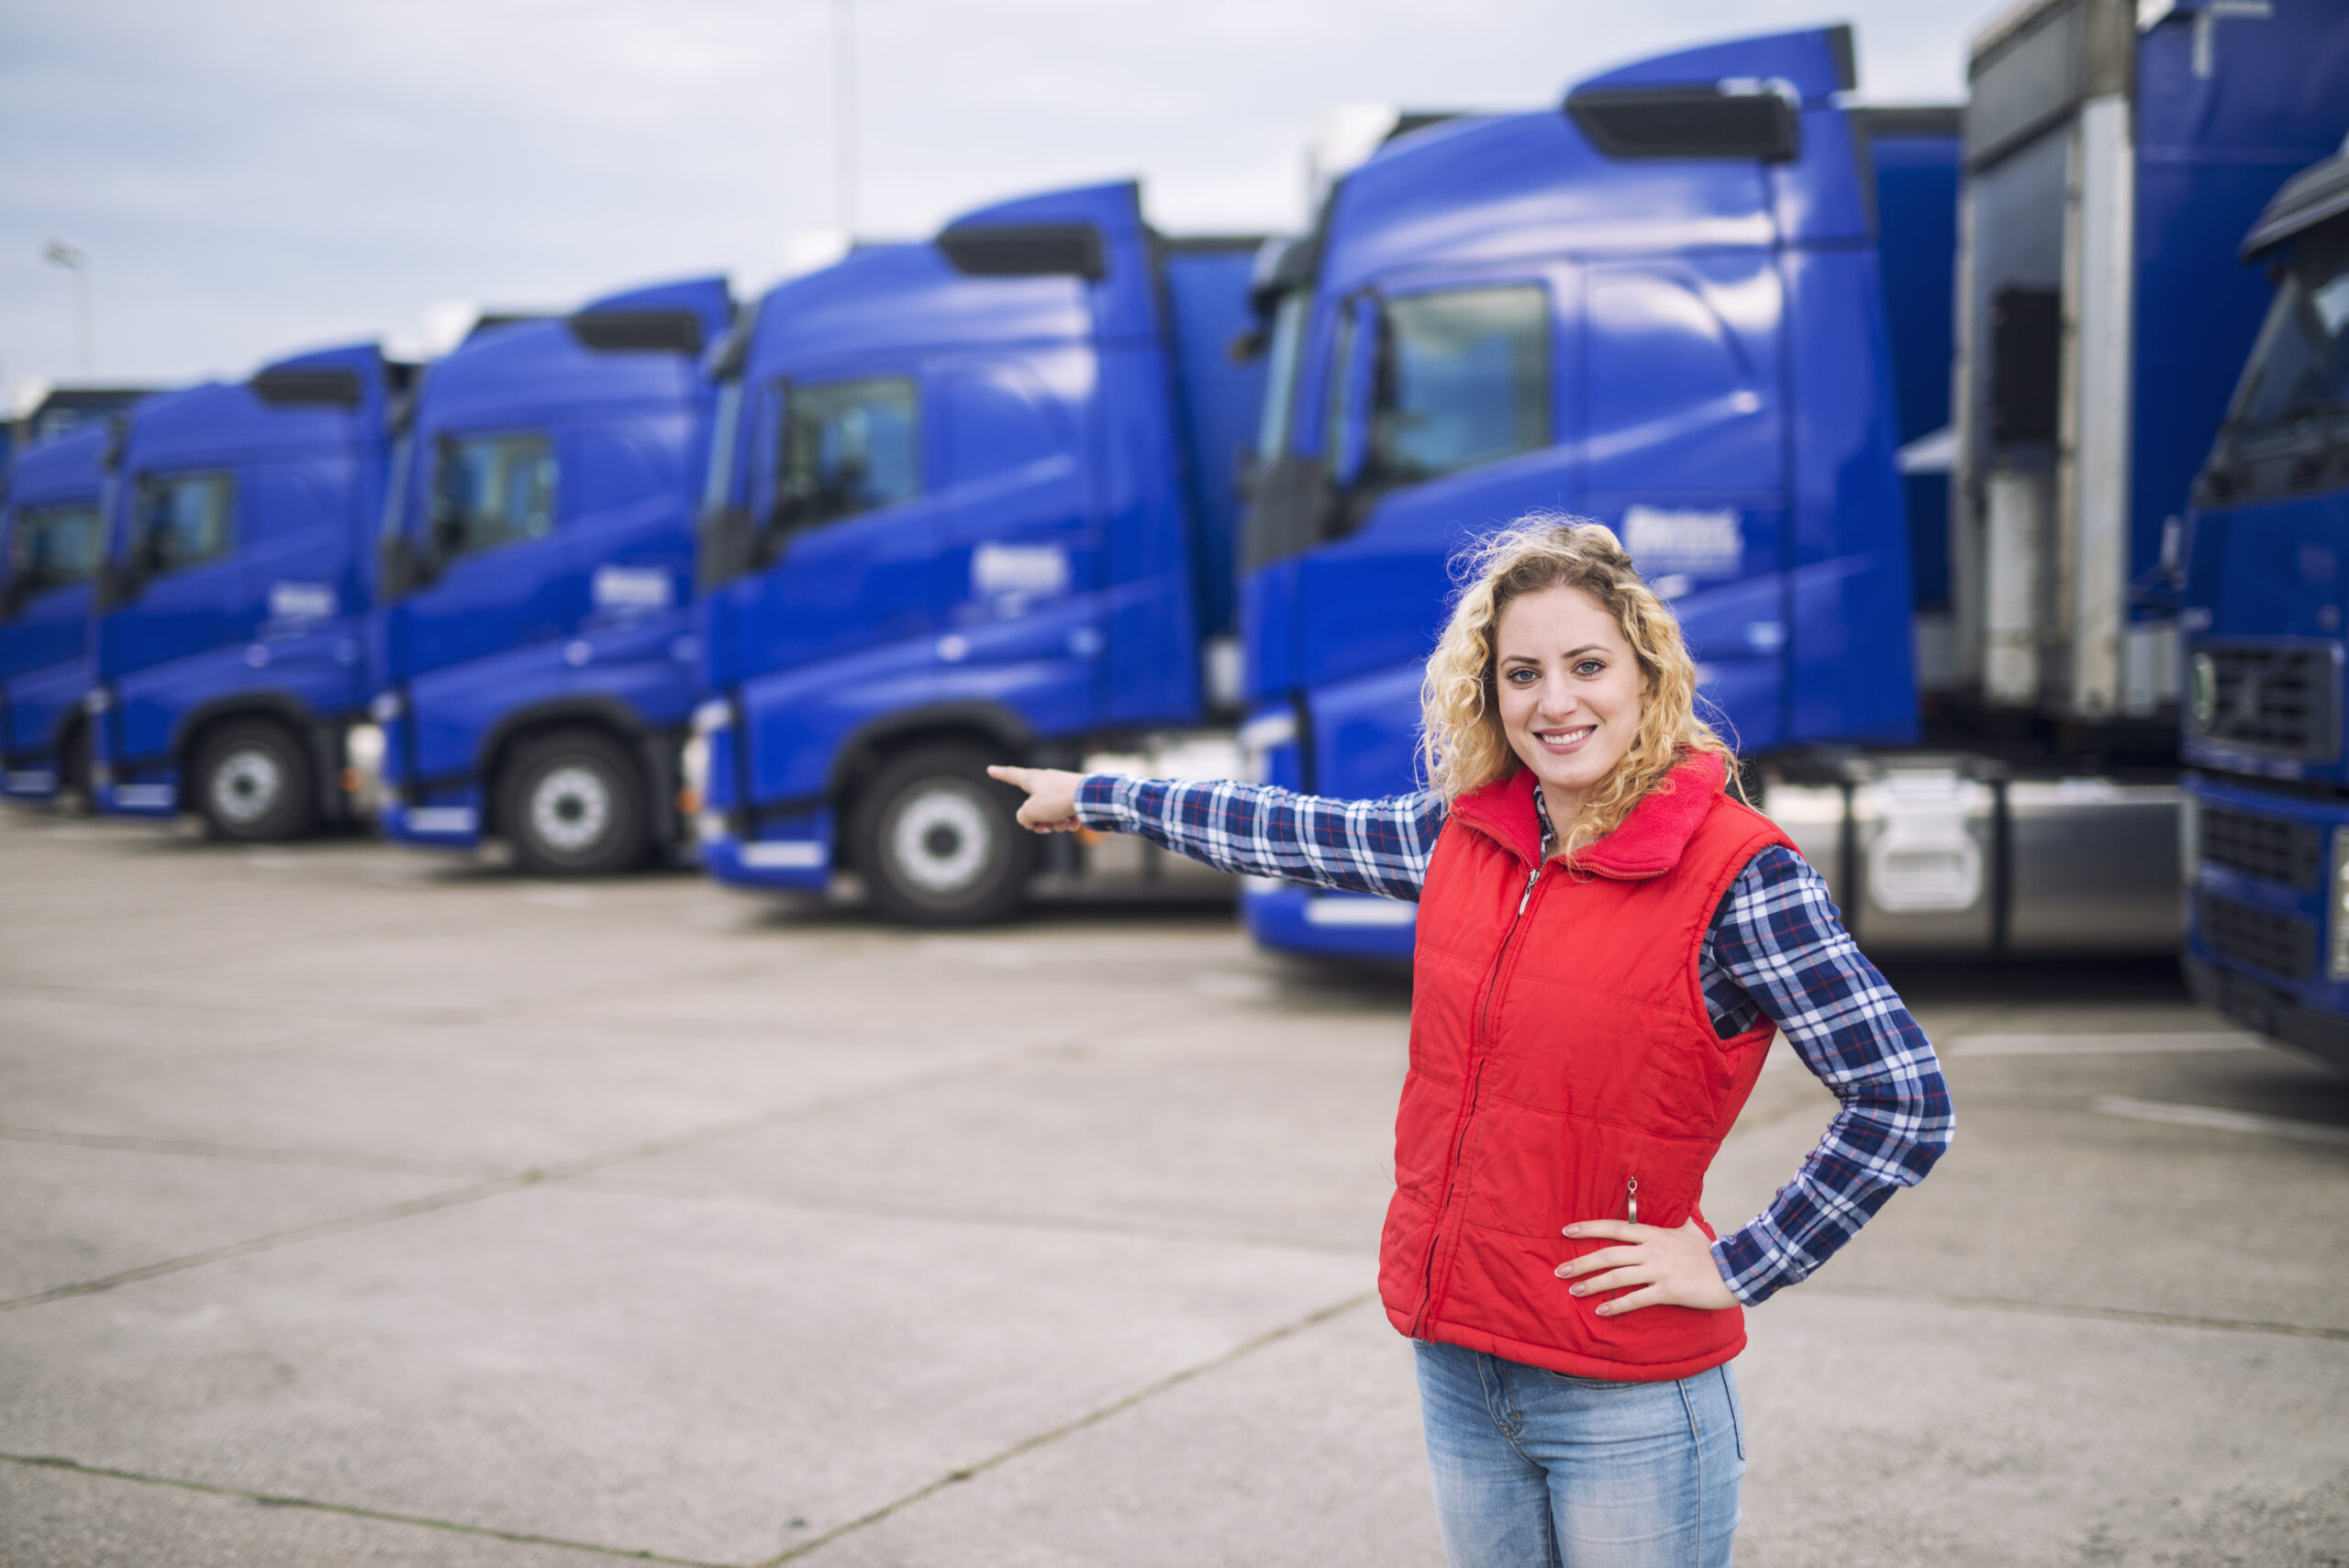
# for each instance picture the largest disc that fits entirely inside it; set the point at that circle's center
(1290, 918)
(800, 864)
(32, 784)
(2271, 1011)
(451, 826)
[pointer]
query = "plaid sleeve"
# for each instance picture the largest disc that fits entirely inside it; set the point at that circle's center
(1778, 947)
(1361, 846)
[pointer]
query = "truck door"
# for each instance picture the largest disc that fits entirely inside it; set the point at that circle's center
(1020, 557)
(840, 477)
(487, 515)
(1440, 415)
(52, 554)
(1683, 442)
(296, 547)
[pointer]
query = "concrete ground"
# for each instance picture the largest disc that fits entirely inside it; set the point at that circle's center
(359, 1205)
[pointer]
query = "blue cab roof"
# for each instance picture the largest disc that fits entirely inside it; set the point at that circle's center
(1507, 187)
(64, 468)
(218, 421)
(892, 296)
(538, 368)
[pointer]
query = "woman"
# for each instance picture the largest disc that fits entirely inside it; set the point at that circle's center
(1606, 942)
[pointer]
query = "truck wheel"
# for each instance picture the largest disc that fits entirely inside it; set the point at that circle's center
(938, 842)
(572, 804)
(252, 784)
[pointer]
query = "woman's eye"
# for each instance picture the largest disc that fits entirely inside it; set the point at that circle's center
(1590, 667)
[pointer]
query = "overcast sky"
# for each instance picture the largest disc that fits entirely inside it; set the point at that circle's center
(248, 177)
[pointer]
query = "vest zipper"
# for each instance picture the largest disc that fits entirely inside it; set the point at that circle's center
(1476, 1089)
(1632, 1197)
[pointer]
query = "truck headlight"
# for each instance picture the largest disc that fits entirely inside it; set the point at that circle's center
(693, 775)
(363, 773)
(2338, 966)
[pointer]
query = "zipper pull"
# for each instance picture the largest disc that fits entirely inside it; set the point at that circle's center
(1632, 1197)
(1527, 896)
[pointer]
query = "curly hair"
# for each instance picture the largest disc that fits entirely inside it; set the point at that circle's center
(1461, 746)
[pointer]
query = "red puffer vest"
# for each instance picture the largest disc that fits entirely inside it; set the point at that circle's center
(1563, 1065)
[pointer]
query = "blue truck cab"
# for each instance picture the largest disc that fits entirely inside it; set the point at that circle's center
(53, 535)
(970, 501)
(535, 643)
(231, 606)
(2266, 840)
(1658, 306)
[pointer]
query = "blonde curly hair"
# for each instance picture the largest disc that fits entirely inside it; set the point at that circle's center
(1461, 746)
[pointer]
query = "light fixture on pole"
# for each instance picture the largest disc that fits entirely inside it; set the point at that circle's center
(845, 117)
(74, 260)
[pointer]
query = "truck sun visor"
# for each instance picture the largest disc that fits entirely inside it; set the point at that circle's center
(1686, 122)
(637, 331)
(298, 388)
(1025, 250)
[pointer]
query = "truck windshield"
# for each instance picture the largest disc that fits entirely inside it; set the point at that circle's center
(2299, 372)
(1280, 374)
(717, 488)
(493, 491)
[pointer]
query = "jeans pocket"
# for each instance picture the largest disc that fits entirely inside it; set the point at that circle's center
(1604, 1385)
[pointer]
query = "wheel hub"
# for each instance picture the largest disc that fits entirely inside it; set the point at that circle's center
(246, 785)
(571, 808)
(942, 840)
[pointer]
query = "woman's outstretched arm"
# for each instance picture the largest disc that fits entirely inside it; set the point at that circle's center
(1359, 846)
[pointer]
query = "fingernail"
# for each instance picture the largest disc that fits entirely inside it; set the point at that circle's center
(1571, 1230)
(1574, 1290)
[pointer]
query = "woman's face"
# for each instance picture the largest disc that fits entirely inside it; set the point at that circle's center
(1570, 691)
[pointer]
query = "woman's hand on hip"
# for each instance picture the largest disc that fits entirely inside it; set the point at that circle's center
(1670, 1268)
(1051, 806)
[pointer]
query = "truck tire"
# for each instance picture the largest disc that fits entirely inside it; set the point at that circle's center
(251, 783)
(939, 842)
(572, 804)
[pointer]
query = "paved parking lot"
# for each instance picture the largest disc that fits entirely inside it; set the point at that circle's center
(361, 1206)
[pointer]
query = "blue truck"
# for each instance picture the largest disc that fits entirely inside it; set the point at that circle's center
(230, 608)
(970, 500)
(535, 658)
(1709, 303)
(2268, 819)
(53, 535)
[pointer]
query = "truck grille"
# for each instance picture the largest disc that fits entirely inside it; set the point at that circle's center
(2259, 939)
(2283, 699)
(2266, 847)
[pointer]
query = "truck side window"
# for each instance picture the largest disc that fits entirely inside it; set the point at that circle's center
(52, 547)
(183, 521)
(2299, 373)
(492, 490)
(1463, 379)
(848, 447)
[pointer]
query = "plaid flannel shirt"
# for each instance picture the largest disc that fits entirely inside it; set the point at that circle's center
(1776, 946)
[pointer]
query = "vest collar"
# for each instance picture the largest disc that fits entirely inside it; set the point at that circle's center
(1649, 842)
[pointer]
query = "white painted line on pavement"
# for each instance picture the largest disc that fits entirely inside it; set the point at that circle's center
(2098, 1044)
(2220, 1120)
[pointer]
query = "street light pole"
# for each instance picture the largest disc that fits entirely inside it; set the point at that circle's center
(74, 260)
(845, 117)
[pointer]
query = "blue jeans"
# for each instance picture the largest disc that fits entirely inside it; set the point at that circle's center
(1534, 1468)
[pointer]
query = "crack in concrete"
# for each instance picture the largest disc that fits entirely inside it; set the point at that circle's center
(112, 1142)
(1090, 1419)
(514, 1181)
(348, 1510)
(2104, 1314)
